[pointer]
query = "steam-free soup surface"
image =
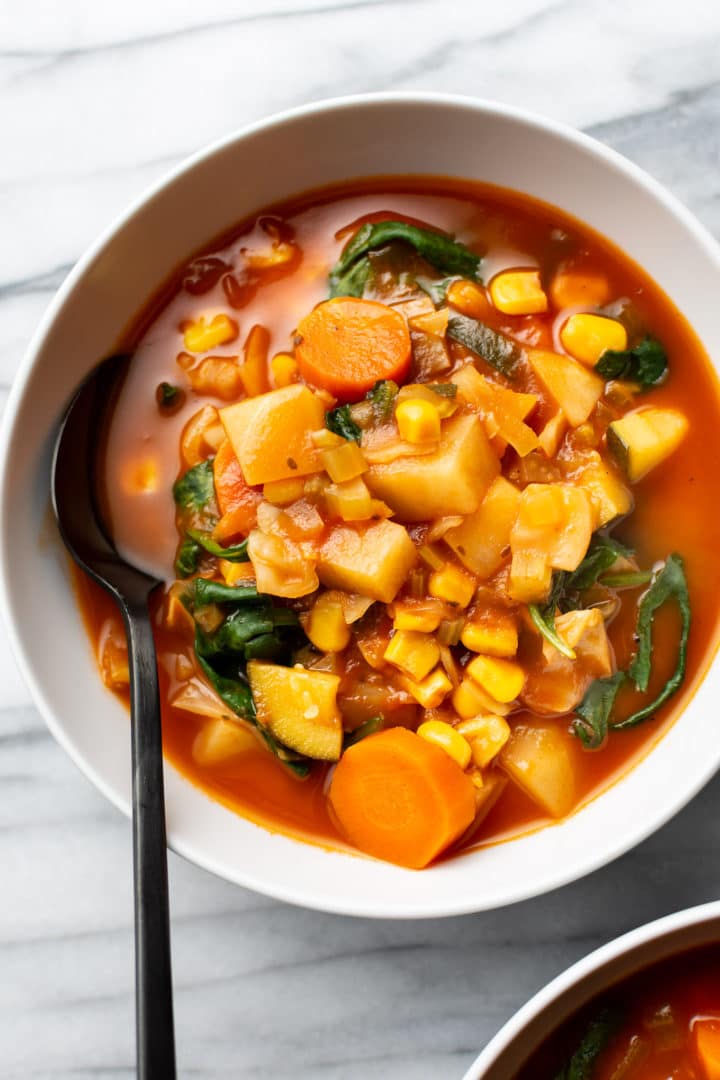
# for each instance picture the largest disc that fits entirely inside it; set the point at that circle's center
(486, 647)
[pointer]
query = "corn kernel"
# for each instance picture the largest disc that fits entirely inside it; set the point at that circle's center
(235, 572)
(326, 626)
(344, 462)
(452, 584)
(587, 337)
(201, 336)
(418, 420)
(494, 636)
(501, 679)
(350, 501)
(415, 654)
(469, 700)
(284, 492)
(431, 691)
(518, 292)
(487, 735)
(283, 370)
(570, 288)
(417, 617)
(448, 739)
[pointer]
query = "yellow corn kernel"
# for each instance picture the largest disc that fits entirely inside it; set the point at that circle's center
(518, 292)
(469, 699)
(350, 501)
(431, 691)
(344, 462)
(326, 626)
(417, 617)
(415, 654)
(501, 679)
(570, 288)
(587, 337)
(284, 492)
(201, 335)
(283, 370)
(452, 584)
(418, 420)
(487, 735)
(496, 636)
(448, 739)
(235, 572)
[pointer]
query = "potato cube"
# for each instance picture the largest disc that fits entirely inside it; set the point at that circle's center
(573, 388)
(537, 759)
(271, 433)
(482, 538)
(554, 522)
(584, 631)
(373, 561)
(451, 480)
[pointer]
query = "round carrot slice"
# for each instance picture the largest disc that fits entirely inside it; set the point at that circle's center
(346, 345)
(400, 798)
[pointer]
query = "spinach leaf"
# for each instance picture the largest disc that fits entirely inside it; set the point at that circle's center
(341, 423)
(598, 1033)
(544, 619)
(495, 349)
(236, 553)
(669, 583)
(203, 592)
(187, 558)
(591, 725)
(441, 251)
(353, 281)
(196, 488)
(382, 396)
(626, 579)
(168, 397)
(602, 552)
(646, 363)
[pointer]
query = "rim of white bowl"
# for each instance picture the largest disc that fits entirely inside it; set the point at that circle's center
(655, 931)
(298, 893)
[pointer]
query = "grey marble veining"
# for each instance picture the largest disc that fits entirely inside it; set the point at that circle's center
(97, 101)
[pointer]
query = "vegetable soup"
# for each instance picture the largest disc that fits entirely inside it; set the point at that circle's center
(662, 1024)
(428, 469)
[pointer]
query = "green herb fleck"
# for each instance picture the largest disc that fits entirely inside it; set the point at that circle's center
(187, 558)
(196, 488)
(341, 423)
(382, 396)
(593, 712)
(646, 363)
(598, 1033)
(369, 727)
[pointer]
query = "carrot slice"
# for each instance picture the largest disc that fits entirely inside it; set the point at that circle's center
(237, 501)
(346, 345)
(400, 798)
(707, 1046)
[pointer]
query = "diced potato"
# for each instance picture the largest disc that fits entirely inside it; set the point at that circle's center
(584, 631)
(284, 492)
(220, 739)
(611, 499)
(642, 439)
(344, 462)
(552, 434)
(587, 337)
(503, 411)
(350, 501)
(518, 292)
(298, 707)
(482, 538)
(573, 388)
(530, 577)
(502, 679)
(451, 480)
(413, 653)
(555, 522)
(492, 632)
(326, 626)
(373, 561)
(270, 433)
(537, 760)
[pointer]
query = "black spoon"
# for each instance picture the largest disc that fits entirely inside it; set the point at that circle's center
(77, 509)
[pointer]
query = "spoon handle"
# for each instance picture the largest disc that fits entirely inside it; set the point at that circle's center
(153, 978)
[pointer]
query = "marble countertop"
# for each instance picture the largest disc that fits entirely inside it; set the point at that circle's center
(97, 101)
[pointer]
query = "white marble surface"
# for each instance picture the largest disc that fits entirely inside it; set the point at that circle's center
(96, 101)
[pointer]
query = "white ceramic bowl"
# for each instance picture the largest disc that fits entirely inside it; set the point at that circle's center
(530, 1026)
(316, 145)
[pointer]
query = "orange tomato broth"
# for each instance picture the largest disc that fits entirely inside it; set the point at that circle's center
(516, 231)
(658, 1011)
